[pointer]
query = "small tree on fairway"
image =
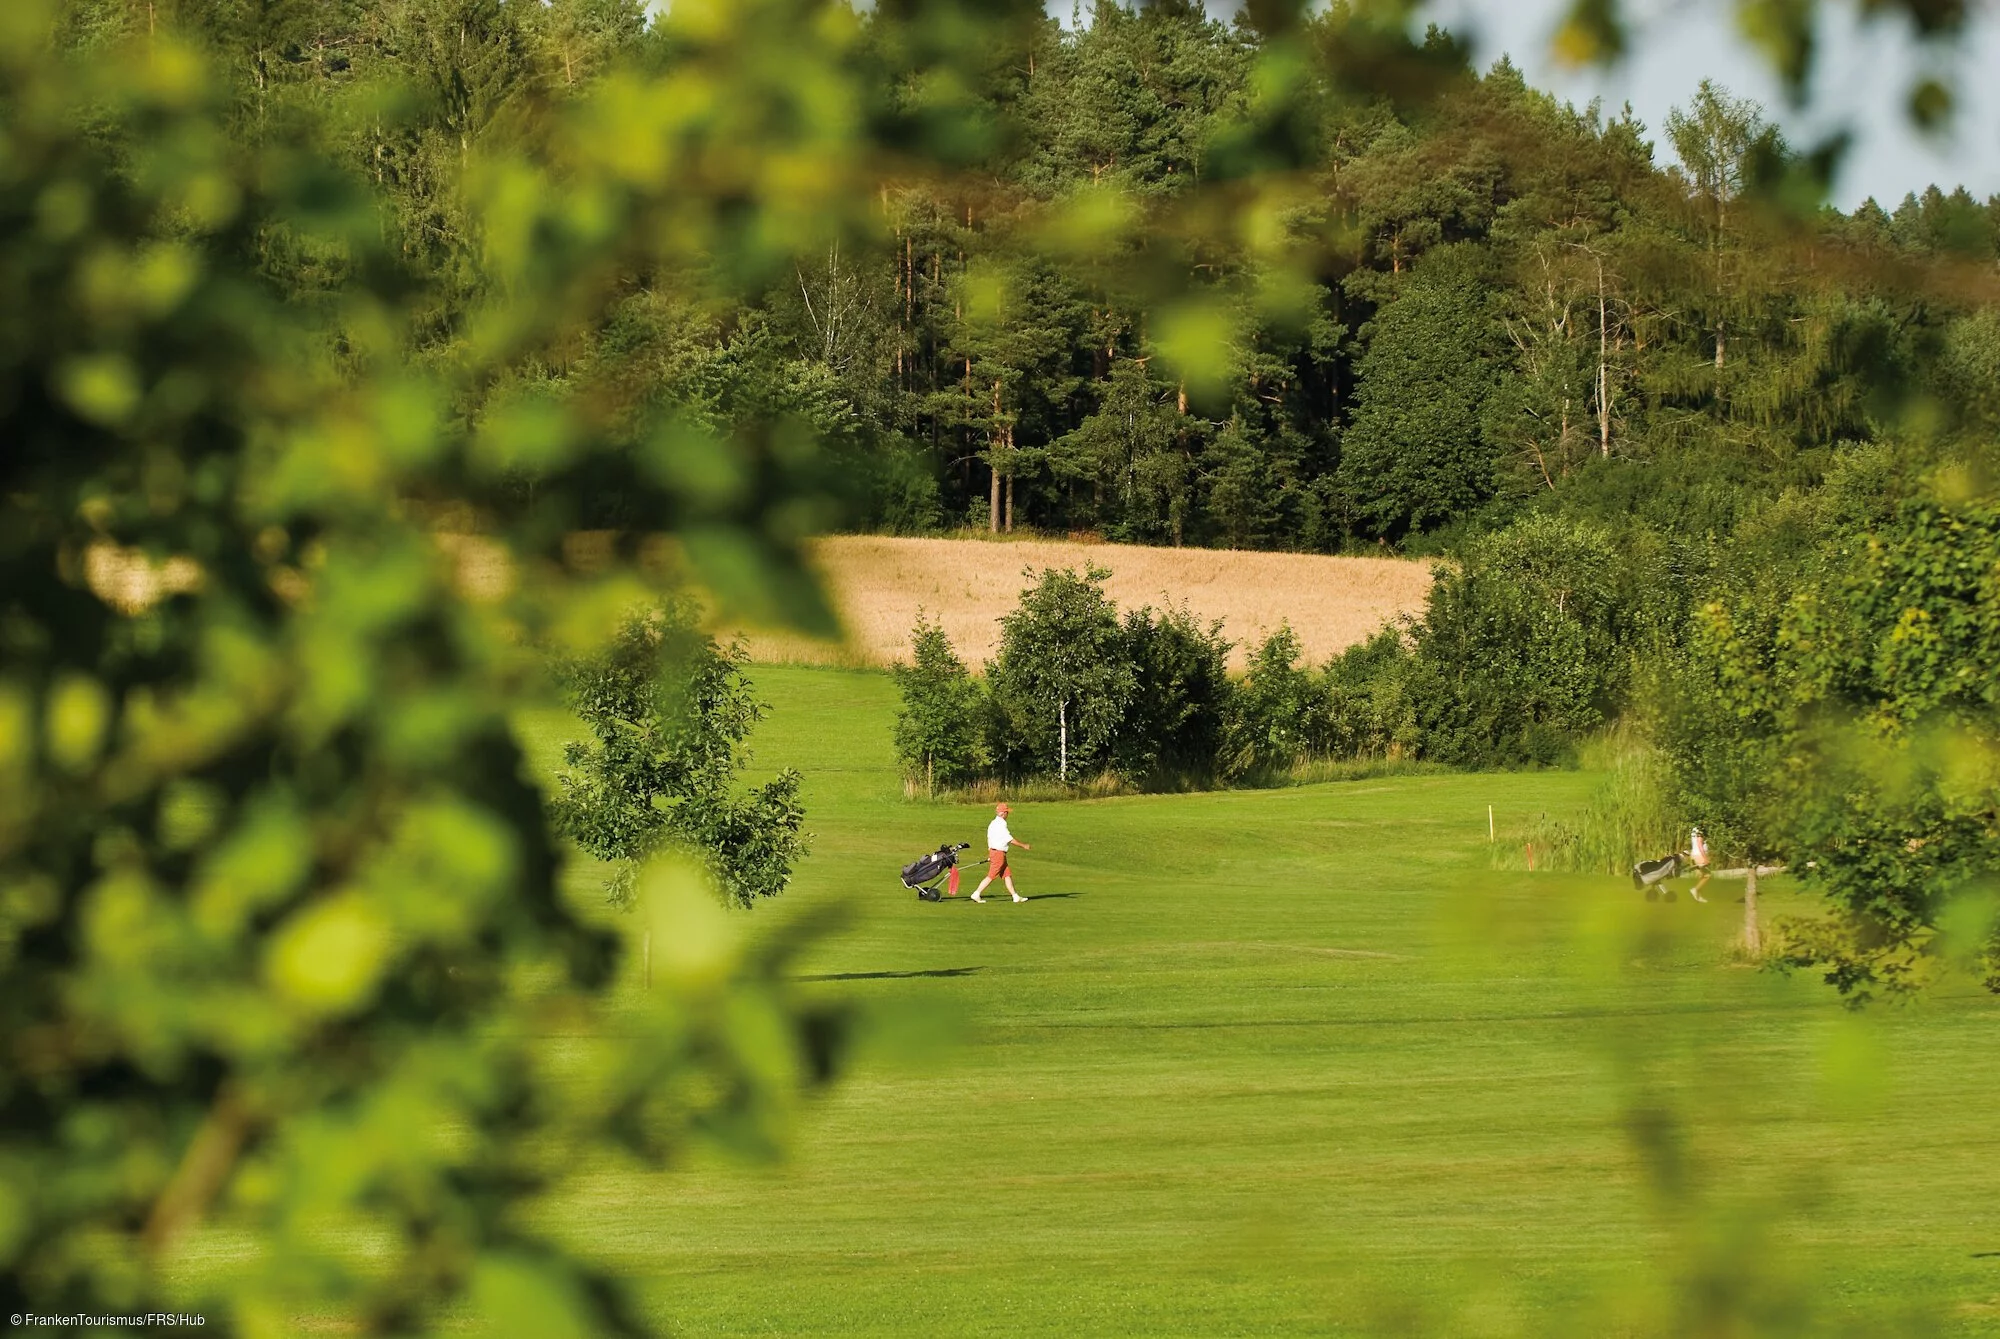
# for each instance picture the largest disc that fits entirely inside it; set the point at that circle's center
(1061, 681)
(938, 726)
(669, 712)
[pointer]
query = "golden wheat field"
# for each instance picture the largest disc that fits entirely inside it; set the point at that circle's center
(880, 584)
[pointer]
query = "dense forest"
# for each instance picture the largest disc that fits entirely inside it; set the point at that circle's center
(1513, 305)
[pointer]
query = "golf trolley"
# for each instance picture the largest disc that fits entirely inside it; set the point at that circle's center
(926, 872)
(1650, 876)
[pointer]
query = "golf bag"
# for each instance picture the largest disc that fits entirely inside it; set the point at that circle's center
(1650, 876)
(926, 872)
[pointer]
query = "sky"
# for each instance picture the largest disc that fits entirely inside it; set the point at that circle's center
(1864, 74)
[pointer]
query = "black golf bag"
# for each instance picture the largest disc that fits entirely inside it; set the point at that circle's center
(1650, 876)
(926, 872)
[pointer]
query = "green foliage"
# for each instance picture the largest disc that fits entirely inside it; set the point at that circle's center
(1632, 815)
(1831, 708)
(1147, 701)
(1890, 723)
(1060, 682)
(1275, 718)
(1174, 725)
(1132, 452)
(1465, 295)
(349, 351)
(950, 354)
(298, 438)
(1369, 709)
(1722, 719)
(1717, 137)
(1415, 455)
(1968, 370)
(1527, 644)
(940, 726)
(670, 713)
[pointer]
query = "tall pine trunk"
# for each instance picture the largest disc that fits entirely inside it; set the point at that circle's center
(997, 446)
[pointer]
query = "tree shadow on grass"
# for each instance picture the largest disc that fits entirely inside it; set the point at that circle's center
(892, 976)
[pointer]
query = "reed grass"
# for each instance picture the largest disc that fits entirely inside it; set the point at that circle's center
(1629, 816)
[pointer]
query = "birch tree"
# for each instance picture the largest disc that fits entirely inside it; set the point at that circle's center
(1062, 681)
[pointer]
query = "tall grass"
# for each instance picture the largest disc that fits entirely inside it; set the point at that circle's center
(1045, 790)
(1630, 816)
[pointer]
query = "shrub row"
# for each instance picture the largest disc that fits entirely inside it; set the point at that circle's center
(1525, 646)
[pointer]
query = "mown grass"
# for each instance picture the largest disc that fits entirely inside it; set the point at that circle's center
(1297, 1061)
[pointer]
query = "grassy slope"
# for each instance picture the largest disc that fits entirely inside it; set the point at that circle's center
(1252, 1063)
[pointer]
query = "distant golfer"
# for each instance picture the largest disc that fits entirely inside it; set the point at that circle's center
(998, 839)
(1698, 857)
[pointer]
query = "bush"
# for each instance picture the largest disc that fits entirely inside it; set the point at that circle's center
(1526, 646)
(1369, 712)
(940, 728)
(1174, 727)
(1848, 722)
(670, 712)
(1279, 711)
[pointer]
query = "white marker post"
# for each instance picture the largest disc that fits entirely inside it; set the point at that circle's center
(1489, 823)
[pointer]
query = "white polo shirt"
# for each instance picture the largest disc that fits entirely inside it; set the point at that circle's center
(997, 835)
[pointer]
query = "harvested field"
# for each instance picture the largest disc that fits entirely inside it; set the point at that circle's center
(879, 584)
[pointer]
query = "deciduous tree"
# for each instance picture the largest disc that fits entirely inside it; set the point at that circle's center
(670, 714)
(1060, 680)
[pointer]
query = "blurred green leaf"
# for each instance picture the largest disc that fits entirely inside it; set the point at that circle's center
(1201, 342)
(330, 956)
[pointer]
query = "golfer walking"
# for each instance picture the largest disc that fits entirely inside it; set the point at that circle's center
(1698, 857)
(998, 839)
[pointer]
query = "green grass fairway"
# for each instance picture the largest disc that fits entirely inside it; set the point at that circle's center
(1294, 1062)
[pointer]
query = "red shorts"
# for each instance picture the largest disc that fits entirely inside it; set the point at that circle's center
(996, 864)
